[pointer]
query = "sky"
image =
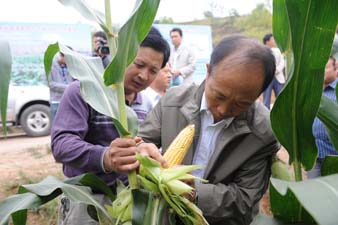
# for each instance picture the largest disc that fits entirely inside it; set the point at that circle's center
(52, 11)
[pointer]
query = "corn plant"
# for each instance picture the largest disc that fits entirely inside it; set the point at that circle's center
(304, 31)
(5, 74)
(161, 189)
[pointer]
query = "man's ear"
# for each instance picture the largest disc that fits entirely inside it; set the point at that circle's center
(208, 70)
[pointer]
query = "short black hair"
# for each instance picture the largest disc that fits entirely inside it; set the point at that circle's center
(176, 29)
(100, 34)
(267, 38)
(155, 41)
(251, 50)
(154, 31)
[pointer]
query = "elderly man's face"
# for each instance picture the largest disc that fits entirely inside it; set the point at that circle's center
(232, 86)
(143, 70)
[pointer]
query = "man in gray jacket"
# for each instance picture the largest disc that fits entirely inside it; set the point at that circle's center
(233, 138)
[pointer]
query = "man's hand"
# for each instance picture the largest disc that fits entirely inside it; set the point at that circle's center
(175, 73)
(152, 151)
(192, 195)
(120, 156)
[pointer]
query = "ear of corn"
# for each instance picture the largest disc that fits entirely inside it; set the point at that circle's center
(180, 145)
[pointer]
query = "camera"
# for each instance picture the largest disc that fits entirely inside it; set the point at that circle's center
(102, 49)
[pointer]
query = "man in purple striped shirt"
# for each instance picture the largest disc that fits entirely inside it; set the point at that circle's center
(85, 141)
(323, 142)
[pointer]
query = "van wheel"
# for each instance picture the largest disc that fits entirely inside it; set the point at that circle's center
(35, 120)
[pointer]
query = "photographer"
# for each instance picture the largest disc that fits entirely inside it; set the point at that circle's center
(101, 49)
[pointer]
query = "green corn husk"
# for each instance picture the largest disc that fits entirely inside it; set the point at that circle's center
(168, 186)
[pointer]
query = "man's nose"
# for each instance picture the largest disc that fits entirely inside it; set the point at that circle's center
(224, 109)
(144, 75)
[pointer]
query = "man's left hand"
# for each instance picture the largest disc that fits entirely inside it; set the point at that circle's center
(149, 149)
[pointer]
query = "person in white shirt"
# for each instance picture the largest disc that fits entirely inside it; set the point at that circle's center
(182, 60)
(159, 86)
(279, 80)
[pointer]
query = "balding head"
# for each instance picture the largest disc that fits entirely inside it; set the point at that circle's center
(240, 51)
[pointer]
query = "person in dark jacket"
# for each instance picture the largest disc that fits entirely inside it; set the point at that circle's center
(233, 138)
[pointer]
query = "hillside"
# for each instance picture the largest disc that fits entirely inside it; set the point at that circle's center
(256, 24)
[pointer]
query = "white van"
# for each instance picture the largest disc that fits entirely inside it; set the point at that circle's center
(28, 106)
(28, 97)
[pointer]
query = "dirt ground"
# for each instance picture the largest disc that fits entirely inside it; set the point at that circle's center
(31, 162)
(28, 160)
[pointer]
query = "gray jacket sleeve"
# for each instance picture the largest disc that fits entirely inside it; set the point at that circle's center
(237, 202)
(150, 130)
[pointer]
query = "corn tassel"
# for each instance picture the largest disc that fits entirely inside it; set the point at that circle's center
(180, 145)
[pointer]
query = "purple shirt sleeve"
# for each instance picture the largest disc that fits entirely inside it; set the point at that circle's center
(69, 130)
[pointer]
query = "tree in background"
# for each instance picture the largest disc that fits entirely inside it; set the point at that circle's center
(164, 20)
(257, 23)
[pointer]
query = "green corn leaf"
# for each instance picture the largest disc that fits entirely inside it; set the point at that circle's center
(87, 12)
(147, 184)
(17, 203)
(167, 182)
(178, 187)
(288, 197)
(281, 26)
(129, 38)
(330, 165)
(175, 172)
(120, 186)
(127, 215)
(34, 195)
(48, 58)
(261, 219)
(328, 114)
(92, 181)
(189, 176)
(5, 74)
(292, 126)
(122, 201)
(89, 71)
(148, 208)
(281, 33)
(20, 217)
(149, 168)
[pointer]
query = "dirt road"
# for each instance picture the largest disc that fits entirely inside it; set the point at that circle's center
(14, 144)
(25, 160)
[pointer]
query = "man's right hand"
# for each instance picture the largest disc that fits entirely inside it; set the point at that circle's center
(120, 156)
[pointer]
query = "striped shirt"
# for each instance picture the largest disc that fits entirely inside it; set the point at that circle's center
(318, 129)
(80, 135)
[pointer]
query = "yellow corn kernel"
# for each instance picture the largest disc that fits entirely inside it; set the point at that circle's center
(179, 146)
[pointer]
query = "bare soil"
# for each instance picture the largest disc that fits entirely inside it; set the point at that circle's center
(28, 160)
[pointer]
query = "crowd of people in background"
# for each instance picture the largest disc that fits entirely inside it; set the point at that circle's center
(178, 70)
